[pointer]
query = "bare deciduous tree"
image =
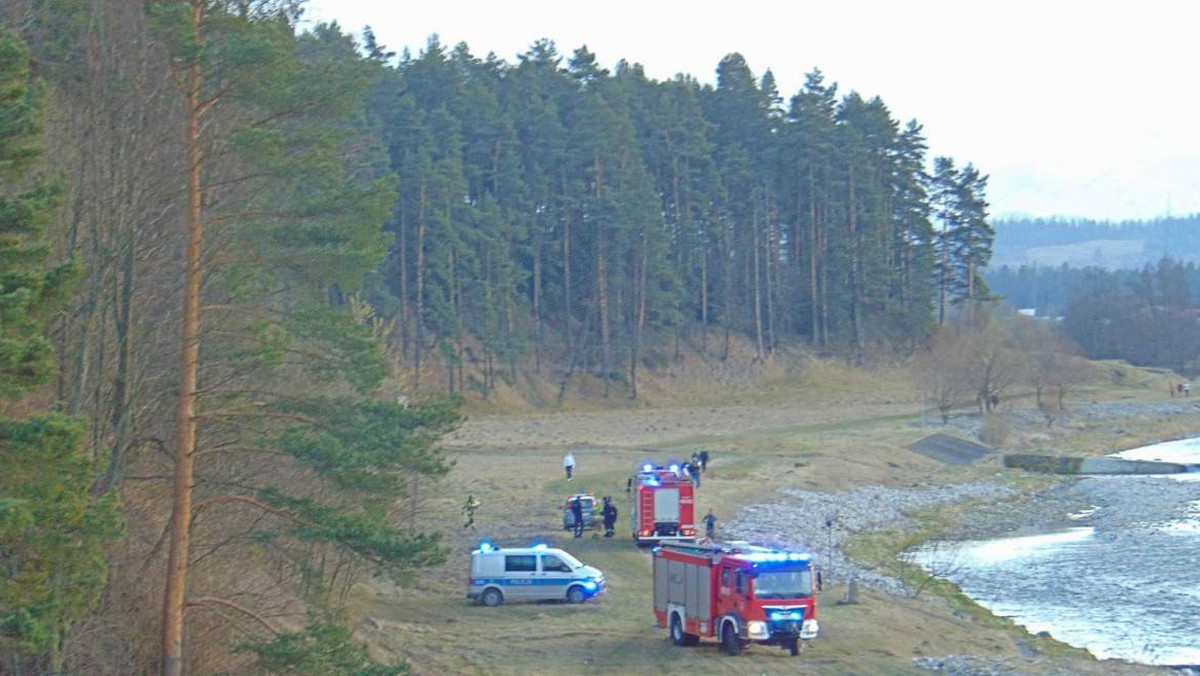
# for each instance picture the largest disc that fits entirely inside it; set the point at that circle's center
(942, 372)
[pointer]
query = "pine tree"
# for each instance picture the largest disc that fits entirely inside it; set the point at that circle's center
(53, 531)
(965, 237)
(810, 139)
(279, 224)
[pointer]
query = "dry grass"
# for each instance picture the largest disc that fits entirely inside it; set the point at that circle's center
(825, 427)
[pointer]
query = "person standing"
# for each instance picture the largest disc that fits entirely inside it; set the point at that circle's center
(710, 526)
(610, 516)
(569, 464)
(469, 511)
(577, 513)
(703, 461)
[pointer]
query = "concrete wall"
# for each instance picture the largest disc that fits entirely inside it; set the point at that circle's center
(1053, 464)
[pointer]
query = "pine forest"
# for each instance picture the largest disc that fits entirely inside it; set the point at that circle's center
(250, 273)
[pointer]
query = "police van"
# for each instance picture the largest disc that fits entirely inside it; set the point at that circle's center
(537, 573)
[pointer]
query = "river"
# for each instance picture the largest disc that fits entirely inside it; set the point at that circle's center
(1123, 582)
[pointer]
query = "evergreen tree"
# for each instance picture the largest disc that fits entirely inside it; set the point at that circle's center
(810, 139)
(53, 531)
(290, 226)
(965, 237)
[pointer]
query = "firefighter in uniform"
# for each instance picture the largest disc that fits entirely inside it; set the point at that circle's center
(610, 516)
(710, 526)
(469, 511)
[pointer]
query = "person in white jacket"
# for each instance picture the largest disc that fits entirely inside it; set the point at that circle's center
(569, 464)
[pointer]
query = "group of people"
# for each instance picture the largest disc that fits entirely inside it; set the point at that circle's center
(692, 468)
(1184, 389)
(608, 513)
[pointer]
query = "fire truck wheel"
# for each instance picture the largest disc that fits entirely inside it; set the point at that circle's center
(575, 594)
(729, 640)
(492, 598)
(680, 637)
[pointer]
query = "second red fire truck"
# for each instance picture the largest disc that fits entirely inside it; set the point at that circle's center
(664, 505)
(737, 593)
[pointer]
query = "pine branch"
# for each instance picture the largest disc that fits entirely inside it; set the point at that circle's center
(205, 601)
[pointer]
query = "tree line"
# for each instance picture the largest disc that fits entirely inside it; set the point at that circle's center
(234, 259)
(552, 212)
(1173, 236)
(202, 450)
(1147, 316)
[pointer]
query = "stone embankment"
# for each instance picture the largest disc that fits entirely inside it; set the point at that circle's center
(823, 522)
(1055, 464)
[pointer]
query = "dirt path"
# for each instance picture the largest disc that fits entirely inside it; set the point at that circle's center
(632, 428)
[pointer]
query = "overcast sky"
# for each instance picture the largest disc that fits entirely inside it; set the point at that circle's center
(1085, 109)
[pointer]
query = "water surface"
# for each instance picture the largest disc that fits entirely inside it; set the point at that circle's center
(1126, 585)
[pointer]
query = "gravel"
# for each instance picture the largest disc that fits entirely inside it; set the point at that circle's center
(973, 665)
(800, 518)
(821, 522)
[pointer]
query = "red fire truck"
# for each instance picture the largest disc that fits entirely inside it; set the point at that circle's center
(737, 593)
(664, 505)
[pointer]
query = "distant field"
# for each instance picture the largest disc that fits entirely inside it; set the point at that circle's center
(1105, 253)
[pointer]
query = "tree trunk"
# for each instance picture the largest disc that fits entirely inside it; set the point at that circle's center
(566, 247)
(602, 306)
(727, 269)
(942, 279)
(641, 316)
(602, 282)
(402, 273)
(856, 299)
(537, 300)
(122, 412)
(419, 310)
(813, 240)
(824, 280)
(185, 421)
(704, 302)
(772, 273)
(757, 284)
(456, 303)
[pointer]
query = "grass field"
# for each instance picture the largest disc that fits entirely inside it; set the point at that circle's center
(803, 437)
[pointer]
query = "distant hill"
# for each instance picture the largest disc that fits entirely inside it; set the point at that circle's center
(1082, 243)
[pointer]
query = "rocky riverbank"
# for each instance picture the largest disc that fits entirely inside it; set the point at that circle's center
(824, 522)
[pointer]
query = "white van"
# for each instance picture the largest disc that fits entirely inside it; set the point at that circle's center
(536, 573)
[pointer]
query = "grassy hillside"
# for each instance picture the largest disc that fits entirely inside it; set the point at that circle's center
(828, 428)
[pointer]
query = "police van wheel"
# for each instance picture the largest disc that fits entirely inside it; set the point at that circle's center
(492, 598)
(729, 640)
(575, 594)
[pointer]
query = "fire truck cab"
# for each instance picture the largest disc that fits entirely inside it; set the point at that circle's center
(664, 505)
(737, 593)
